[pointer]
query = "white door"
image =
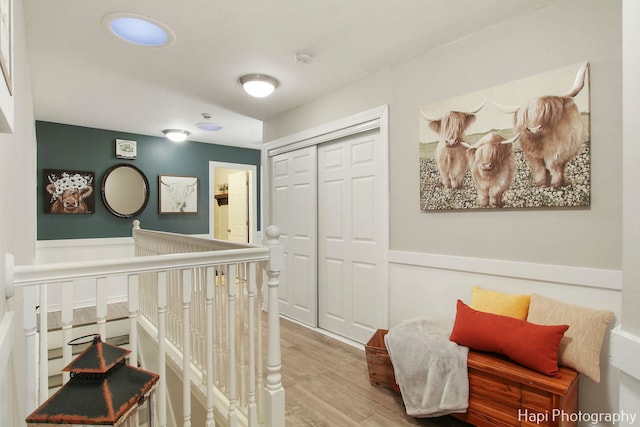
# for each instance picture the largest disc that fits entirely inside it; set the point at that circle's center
(238, 193)
(351, 252)
(293, 186)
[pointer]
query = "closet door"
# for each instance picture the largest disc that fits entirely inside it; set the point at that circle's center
(294, 198)
(351, 235)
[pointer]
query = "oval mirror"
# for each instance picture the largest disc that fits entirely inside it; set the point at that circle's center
(125, 190)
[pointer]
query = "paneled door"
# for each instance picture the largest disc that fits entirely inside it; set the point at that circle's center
(294, 198)
(238, 207)
(351, 240)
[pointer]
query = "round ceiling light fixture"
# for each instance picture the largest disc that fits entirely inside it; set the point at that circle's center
(258, 85)
(208, 126)
(176, 135)
(138, 29)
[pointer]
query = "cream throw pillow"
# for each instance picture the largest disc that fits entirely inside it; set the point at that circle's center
(495, 302)
(582, 343)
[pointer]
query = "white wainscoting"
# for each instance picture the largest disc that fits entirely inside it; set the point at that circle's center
(429, 284)
(50, 251)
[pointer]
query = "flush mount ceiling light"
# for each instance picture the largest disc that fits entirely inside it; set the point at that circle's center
(258, 85)
(208, 126)
(138, 29)
(176, 135)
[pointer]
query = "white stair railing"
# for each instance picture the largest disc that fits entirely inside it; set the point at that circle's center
(199, 299)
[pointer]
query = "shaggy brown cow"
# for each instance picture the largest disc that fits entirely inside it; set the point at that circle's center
(492, 167)
(450, 155)
(70, 200)
(552, 133)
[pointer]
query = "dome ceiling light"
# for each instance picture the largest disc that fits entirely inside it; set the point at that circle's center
(138, 29)
(208, 126)
(258, 85)
(176, 135)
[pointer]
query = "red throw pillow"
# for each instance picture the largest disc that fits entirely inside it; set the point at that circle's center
(534, 346)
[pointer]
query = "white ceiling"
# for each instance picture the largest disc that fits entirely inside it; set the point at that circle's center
(83, 75)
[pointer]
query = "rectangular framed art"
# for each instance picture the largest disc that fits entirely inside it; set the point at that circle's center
(68, 191)
(6, 42)
(126, 149)
(522, 144)
(177, 194)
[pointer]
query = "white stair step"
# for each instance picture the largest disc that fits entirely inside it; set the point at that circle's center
(115, 328)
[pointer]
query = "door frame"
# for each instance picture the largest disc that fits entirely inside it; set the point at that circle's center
(352, 125)
(253, 195)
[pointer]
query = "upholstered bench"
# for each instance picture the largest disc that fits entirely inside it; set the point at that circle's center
(503, 393)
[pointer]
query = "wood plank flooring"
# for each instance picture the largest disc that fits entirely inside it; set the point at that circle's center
(326, 381)
(327, 384)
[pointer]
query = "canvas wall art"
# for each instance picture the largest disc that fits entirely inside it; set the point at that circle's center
(68, 191)
(523, 144)
(178, 194)
(126, 149)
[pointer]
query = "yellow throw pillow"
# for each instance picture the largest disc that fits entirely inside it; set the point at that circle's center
(500, 303)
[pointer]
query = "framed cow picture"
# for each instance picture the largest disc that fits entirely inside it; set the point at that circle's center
(68, 191)
(177, 194)
(522, 144)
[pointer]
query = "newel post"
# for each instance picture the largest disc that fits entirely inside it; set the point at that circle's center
(274, 393)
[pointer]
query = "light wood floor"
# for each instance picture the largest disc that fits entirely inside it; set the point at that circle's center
(327, 384)
(326, 381)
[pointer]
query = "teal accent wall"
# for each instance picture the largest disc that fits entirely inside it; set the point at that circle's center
(68, 147)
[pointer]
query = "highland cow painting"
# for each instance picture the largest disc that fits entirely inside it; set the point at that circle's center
(68, 192)
(523, 144)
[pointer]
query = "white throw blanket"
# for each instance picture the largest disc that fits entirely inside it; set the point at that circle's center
(430, 370)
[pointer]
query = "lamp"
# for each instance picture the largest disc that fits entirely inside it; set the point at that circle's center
(102, 390)
(258, 85)
(176, 135)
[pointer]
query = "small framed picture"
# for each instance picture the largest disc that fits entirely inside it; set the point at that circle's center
(177, 194)
(125, 149)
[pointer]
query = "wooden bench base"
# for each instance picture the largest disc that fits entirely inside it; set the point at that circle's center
(503, 393)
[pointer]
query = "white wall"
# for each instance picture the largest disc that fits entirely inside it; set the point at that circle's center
(429, 285)
(73, 250)
(626, 340)
(573, 255)
(564, 33)
(18, 193)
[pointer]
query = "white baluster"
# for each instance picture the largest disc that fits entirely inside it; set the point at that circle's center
(219, 369)
(44, 345)
(242, 336)
(274, 398)
(67, 326)
(133, 318)
(231, 343)
(210, 283)
(30, 331)
(260, 364)
(101, 307)
(162, 336)
(252, 414)
(186, 348)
